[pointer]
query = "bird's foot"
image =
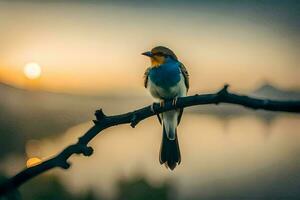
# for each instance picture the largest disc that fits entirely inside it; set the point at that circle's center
(174, 102)
(152, 108)
(162, 103)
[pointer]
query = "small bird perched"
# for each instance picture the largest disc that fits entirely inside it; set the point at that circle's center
(167, 79)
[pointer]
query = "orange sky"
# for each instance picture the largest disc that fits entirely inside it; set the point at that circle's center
(86, 48)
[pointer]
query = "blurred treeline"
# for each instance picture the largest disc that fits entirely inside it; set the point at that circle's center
(49, 187)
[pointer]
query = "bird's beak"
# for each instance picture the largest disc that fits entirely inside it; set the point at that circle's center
(148, 53)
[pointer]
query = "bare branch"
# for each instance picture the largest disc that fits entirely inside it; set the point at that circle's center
(133, 118)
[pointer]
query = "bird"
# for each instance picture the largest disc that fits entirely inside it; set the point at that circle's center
(166, 80)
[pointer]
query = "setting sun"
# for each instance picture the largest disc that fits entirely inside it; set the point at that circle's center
(32, 70)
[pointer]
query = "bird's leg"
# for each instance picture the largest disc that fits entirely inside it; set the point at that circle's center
(152, 108)
(162, 103)
(174, 102)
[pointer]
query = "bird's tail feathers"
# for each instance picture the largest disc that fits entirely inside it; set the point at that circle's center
(169, 151)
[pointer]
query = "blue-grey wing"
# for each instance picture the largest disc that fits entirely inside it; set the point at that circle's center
(146, 76)
(185, 75)
(187, 85)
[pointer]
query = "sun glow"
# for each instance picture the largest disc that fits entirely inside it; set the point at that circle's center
(33, 161)
(32, 70)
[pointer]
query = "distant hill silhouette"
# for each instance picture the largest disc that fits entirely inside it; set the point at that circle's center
(271, 92)
(265, 91)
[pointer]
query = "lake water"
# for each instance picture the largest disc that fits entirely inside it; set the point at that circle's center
(220, 156)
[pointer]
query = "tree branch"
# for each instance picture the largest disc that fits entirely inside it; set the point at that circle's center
(133, 118)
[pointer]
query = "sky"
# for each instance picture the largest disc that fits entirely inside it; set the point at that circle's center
(94, 47)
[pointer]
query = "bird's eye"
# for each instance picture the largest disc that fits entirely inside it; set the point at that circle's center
(159, 54)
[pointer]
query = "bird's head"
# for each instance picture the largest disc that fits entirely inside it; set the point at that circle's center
(159, 55)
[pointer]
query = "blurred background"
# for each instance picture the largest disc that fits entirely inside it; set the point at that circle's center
(62, 60)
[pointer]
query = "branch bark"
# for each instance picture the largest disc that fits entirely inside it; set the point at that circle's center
(133, 118)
